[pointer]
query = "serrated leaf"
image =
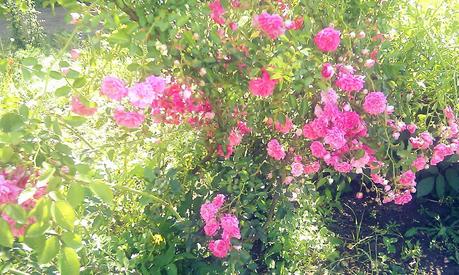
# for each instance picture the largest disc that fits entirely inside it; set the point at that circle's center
(64, 215)
(6, 237)
(69, 264)
(102, 191)
(425, 186)
(49, 251)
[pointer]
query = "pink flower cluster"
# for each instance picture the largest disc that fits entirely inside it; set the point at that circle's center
(169, 103)
(271, 24)
(214, 221)
(263, 86)
(12, 185)
(375, 103)
(275, 150)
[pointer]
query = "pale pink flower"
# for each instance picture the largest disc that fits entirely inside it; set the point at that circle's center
(208, 211)
(263, 86)
(233, 26)
(328, 39)
(335, 138)
(297, 169)
(275, 150)
(141, 95)
(75, 54)
(359, 195)
(288, 180)
(80, 109)
(75, 18)
(230, 225)
(220, 248)
(440, 152)
(403, 198)
(243, 128)
(408, 178)
(424, 141)
(158, 84)
(343, 167)
(419, 163)
(377, 179)
(128, 119)
(327, 71)
(114, 88)
(375, 103)
(369, 63)
(271, 25)
(235, 3)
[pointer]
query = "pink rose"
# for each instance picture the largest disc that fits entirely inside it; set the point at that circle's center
(318, 150)
(327, 71)
(211, 227)
(275, 150)
(349, 82)
(114, 88)
(271, 25)
(297, 169)
(263, 86)
(327, 40)
(220, 248)
(375, 103)
(141, 95)
(230, 225)
(80, 109)
(128, 119)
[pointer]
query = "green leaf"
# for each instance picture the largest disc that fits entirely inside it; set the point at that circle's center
(71, 240)
(75, 195)
(452, 177)
(166, 258)
(6, 153)
(102, 191)
(63, 214)
(11, 122)
(75, 121)
(29, 61)
(49, 251)
(79, 82)
(6, 237)
(16, 212)
(62, 91)
(171, 269)
(37, 229)
(69, 264)
(425, 186)
(440, 186)
(55, 75)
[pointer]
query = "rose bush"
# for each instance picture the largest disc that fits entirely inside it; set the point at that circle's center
(268, 101)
